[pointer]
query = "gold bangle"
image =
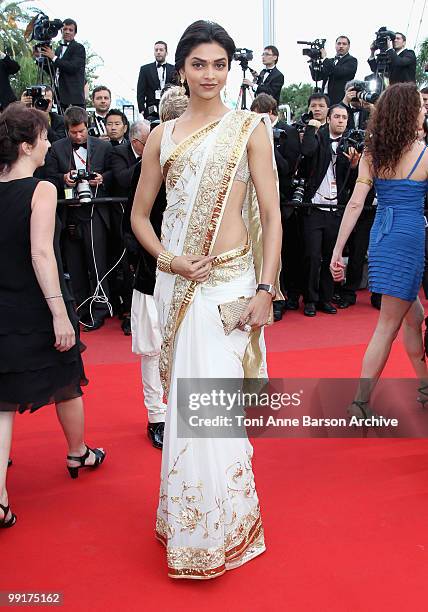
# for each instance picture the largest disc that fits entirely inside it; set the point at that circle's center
(164, 262)
(366, 181)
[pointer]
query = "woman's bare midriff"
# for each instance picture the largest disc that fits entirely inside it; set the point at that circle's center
(232, 232)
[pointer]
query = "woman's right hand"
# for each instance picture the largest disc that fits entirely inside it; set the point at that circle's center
(193, 267)
(65, 338)
(337, 267)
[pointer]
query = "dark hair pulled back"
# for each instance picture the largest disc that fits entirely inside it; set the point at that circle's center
(19, 124)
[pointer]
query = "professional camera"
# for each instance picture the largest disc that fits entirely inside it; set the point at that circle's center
(243, 56)
(364, 92)
(37, 94)
(82, 189)
(42, 29)
(314, 51)
(301, 123)
(382, 37)
(299, 191)
(353, 139)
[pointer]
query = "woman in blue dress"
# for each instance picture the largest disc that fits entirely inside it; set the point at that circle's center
(396, 161)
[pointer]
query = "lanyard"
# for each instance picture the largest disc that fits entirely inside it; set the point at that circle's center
(84, 161)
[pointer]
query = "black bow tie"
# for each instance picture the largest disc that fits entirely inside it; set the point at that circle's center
(267, 70)
(335, 139)
(160, 65)
(76, 146)
(64, 44)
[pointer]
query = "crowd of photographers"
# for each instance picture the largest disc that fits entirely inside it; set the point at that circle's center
(92, 159)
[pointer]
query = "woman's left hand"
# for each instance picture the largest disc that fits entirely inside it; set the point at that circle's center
(257, 312)
(337, 267)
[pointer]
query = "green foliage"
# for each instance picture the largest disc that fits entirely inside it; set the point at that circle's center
(421, 63)
(296, 95)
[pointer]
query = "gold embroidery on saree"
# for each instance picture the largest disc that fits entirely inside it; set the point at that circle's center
(205, 218)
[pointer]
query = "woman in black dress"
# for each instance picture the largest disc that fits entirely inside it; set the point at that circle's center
(40, 361)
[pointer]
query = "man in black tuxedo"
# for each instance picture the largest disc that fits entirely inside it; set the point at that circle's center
(86, 226)
(8, 66)
(117, 127)
(336, 71)
(328, 175)
(152, 80)
(402, 61)
(101, 100)
(270, 80)
(124, 158)
(68, 61)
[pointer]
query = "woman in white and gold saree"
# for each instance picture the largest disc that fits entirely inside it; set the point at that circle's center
(222, 212)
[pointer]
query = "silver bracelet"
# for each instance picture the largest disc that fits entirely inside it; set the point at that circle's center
(52, 297)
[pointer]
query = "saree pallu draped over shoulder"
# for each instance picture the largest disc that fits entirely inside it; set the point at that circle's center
(208, 516)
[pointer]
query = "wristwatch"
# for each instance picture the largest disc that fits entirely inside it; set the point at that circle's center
(269, 288)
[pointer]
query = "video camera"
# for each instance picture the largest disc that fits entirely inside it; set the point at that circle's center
(42, 29)
(353, 139)
(82, 189)
(383, 35)
(243, 56)
(37, 94)
(314, 51)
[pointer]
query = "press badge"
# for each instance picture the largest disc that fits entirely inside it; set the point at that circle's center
(333, 190)
(158, 94)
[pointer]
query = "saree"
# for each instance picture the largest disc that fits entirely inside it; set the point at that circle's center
(208, 516)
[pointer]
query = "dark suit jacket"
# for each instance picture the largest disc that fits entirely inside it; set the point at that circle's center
(402, 66)
(8, 66)
(60, 160)
(287, 154)
(71, 81)
(148, 83)
(336, 75)
(316, 163)
(145, 274)
(56, 129)
(359, 122)
(123, 162)
(272, 84)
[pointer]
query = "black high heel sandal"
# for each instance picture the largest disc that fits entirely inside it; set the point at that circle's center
(5, 524)
(423, 398)
(99, 458)
(366, 413)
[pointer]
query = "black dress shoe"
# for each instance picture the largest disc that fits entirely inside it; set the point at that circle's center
(155, 433)
(292, 304)
(309, 309)
(344, 303)
(91, 325)
(126, 326)
(326, 307)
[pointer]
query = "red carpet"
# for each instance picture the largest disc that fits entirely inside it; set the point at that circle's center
(345, 520)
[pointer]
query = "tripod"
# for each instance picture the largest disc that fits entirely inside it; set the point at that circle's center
(241, 102)
(382, 71)
(45, 66)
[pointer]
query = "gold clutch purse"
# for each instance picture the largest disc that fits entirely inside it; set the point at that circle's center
(231, 312)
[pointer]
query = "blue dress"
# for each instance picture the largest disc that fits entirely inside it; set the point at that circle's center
(397, 237)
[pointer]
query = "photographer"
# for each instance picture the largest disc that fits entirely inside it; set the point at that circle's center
(287, 150)
(318, 105)
(44, 102)
(69, 63)
(87, 225)
(270, 80)
(328, 177)
(8, 66)
(335, 72)
(402, 61)
(358, 109)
